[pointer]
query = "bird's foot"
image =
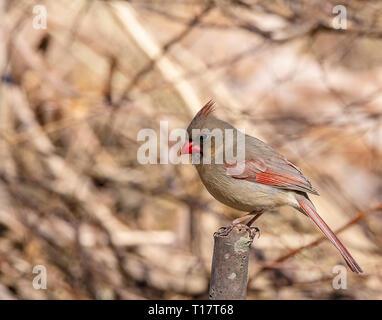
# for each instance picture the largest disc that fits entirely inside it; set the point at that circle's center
(255, 230)
(224, 231)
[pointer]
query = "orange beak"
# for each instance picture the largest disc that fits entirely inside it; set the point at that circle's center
(190, 147)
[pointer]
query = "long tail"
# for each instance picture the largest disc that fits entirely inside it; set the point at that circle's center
(307, 207)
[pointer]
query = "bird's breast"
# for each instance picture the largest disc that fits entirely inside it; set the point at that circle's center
(241, 194)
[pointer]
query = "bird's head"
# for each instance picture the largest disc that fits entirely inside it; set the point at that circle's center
(198, 131)
(205, 133)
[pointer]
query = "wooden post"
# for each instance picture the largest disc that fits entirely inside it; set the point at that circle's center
(229, 273)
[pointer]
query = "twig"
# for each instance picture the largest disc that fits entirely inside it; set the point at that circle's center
(157, 55)
(229, 274)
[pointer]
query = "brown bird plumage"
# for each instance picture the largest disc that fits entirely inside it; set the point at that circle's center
(265, 179)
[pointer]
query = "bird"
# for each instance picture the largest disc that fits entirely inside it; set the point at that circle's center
(266, 179)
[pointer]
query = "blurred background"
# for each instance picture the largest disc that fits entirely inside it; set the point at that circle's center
(74, 95)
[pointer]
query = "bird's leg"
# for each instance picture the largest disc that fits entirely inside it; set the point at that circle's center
(256, 215)
(226, 230)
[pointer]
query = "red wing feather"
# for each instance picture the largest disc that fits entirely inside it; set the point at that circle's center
(277, 172)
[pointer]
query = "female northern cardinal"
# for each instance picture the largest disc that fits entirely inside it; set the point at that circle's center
(266, 180)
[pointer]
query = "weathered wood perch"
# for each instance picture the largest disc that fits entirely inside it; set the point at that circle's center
(229, 273)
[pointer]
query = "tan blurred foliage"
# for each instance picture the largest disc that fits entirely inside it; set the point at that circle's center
(73, 97)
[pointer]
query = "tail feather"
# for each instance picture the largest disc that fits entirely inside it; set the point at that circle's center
(308, 208)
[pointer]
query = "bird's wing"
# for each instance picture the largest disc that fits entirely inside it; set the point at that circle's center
(275, 171)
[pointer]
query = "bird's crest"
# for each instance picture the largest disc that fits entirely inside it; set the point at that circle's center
(208, 108)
